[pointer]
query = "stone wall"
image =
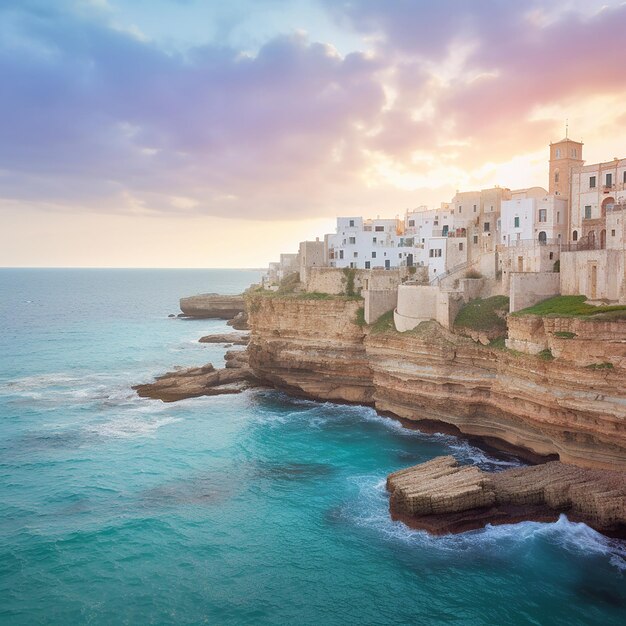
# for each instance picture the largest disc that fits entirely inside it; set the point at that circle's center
(528, 288)
(378, 302)
(577, 274)
(332, 280)
(420, 303)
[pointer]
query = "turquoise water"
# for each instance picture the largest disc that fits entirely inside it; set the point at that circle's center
(249, 509)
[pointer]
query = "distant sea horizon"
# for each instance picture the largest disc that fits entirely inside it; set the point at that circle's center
(255, 508)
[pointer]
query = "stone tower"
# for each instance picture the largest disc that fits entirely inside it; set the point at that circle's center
(565, 155)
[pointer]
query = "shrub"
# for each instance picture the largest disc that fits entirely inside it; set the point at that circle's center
(563, 334)
(601, 366)
(546, 355)
(360, 316)
(349, 276)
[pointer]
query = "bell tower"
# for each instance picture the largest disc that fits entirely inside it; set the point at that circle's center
(565, 155)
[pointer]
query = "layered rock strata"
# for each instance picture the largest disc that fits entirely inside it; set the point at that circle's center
(310, 348)
(212, 305)
(441, 496)
(316, 348)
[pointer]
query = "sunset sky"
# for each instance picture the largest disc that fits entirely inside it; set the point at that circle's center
(198, 133)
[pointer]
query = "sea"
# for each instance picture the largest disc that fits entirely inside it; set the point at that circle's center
(254, 509)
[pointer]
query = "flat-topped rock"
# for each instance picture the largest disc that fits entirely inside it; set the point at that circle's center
(236, 339)
(198, 381)
(212, 305)
(441, 496)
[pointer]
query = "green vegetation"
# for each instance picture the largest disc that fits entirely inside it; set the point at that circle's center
(289, 283)
(349, 276)
(546, 355)
(601, 366)
(499, 343)
(486, 315)
(412, 270)
(473, 274)
(360, 316)
(384, 323)
(573, 306)
(563, 334)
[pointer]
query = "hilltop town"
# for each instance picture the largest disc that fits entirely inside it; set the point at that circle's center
(526, 244)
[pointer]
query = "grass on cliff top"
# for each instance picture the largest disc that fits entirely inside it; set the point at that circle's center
(384, 324)
(573, 306)
(487, 314)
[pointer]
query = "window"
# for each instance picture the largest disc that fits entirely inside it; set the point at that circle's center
(436, 223)
(543, 215)
(460, 208)
(379, 229)
(355, 254)
(558, 217)
(474, 208)
(574, 154)
(367, 265)
(613, 232)
(624, 177)
(461, 246)
(516, 222)
(609, 180)
(557, 153)
(592, 182)
(556, 176)
(411, 222)
(352, 240)
(475, 238)
(551, 255)
(486, 227)
(400, 255)
(575, 235)
(373, 239)
(588, 212)
(351, 223)
(373, 254)
(341, 254)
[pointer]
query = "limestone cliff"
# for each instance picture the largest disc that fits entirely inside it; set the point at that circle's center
(549, 407)
(212, 305)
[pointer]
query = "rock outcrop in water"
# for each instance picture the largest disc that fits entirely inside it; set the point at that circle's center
(317, 349)
(236, 339)
(199, 381)
(441, 496)
(212, 305)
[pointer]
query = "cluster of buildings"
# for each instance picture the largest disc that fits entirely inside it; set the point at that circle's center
(575, 229)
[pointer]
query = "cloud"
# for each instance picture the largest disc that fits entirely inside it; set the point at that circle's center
(94, 114)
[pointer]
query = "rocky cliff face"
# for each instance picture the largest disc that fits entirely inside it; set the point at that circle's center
(315, 348)
(310, 347)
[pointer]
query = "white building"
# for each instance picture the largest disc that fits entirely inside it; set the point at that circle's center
(530, 217)
(367, 244)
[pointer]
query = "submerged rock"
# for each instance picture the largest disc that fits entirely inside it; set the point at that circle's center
(441, 496)
(236, 339)
(197, 381)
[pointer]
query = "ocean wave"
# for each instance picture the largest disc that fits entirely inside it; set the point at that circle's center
(127, 426)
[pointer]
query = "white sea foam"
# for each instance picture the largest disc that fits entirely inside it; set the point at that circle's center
(129, 426)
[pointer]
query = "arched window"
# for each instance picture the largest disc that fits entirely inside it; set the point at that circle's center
(575, 236)
(556, 176)
(557, 153)
(543, 237)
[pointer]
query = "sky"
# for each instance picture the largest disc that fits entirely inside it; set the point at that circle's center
(202, 133)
